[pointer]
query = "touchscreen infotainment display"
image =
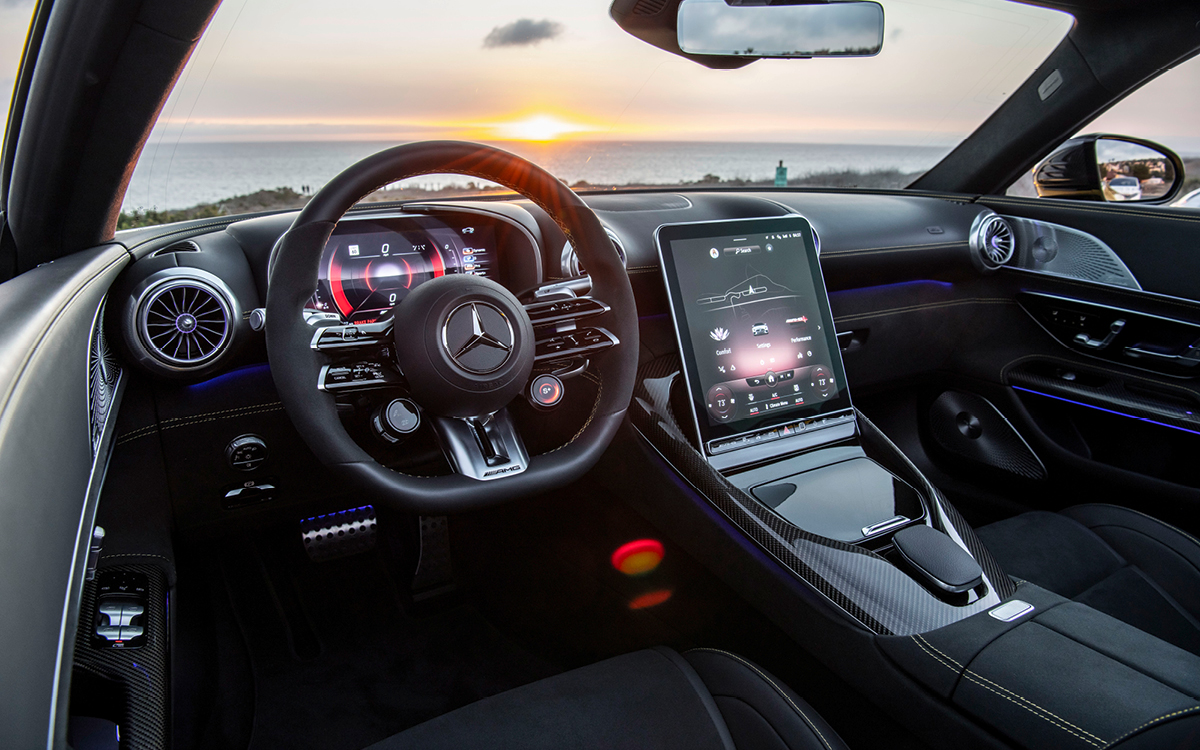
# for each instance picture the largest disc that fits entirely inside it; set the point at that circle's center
(753, 319)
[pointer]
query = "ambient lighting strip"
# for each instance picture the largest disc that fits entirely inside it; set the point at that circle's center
(1107, 411)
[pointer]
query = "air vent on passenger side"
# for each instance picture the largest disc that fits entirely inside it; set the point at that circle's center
(992, 241)
(180, 321)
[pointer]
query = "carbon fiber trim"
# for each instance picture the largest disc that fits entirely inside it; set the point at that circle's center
(142, 671)
(996, 442)
(871, 590)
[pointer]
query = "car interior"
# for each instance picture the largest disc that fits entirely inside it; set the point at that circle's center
(707, 467)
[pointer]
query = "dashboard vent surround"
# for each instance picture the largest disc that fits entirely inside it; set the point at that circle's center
(992, 240)
(187, 246)
(570, 265)
(185, 322)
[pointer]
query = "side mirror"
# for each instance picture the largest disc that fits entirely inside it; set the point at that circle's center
(1112, 168)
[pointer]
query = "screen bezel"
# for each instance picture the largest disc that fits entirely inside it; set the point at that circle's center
(669, 233)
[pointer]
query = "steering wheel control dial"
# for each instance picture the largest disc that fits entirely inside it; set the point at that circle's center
(396, 420)
(246, 453)
(546, 391)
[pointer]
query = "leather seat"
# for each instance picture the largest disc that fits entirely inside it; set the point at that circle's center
(704, 699)
(1116, 560)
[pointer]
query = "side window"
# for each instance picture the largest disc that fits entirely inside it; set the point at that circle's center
(1166, 110)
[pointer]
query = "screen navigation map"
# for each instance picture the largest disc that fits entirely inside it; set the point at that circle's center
(751, 306)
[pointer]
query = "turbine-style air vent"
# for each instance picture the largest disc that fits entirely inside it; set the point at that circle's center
(185, 322)
(992, 241)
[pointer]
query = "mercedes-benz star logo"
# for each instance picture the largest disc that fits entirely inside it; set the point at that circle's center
(478, 337)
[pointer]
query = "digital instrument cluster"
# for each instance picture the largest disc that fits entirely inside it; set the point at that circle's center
(369, 265)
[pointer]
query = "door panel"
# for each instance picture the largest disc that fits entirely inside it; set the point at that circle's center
(1112, 416)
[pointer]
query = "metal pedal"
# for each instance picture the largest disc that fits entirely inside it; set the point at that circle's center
(434, 575)
(333, 535)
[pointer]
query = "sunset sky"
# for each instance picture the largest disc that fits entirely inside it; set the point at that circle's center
(489, 69)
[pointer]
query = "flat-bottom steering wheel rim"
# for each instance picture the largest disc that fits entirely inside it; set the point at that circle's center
(295, 367)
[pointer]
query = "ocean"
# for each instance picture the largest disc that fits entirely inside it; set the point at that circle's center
(174, 176)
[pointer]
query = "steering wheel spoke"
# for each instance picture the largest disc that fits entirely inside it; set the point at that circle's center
(483, 448)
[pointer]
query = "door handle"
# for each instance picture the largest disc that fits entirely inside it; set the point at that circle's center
(1190, 359)
(1097, 344)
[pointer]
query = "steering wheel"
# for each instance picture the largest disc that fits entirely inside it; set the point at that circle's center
(463, 345)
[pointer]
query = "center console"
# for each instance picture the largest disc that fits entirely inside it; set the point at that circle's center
(757, 413)
(754, 416)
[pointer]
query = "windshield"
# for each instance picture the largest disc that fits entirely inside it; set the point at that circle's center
(281, 95)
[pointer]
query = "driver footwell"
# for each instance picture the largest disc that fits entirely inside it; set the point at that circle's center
(335, 657)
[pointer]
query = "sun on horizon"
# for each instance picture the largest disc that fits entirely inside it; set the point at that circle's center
(539, 128)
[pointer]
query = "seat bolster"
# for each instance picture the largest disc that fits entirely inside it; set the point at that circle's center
(760, 711)
(1166, 554)
(646, 700)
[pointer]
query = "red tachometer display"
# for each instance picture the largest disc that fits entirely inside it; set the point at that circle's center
(370, 266)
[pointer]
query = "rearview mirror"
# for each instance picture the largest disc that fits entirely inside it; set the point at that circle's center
(754, 29)
(1111, 168)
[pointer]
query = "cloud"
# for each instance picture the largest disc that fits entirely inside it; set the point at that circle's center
(523, 32)
(15, 3)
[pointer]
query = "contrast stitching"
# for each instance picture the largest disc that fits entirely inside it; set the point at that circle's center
(202, 420)
(135, 554)
(968, 673)
(222, 411)
(599, 381)
(138, 433)
(951, 659)
(1152, 722)
(1094, 743)
(778, 689)
(928, 306)
(193, 419)
(957, 671)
